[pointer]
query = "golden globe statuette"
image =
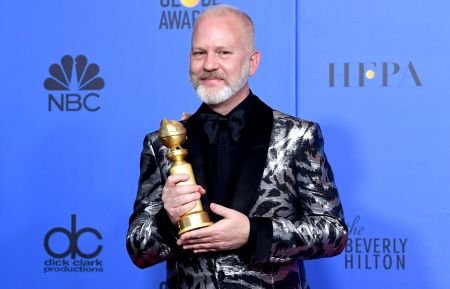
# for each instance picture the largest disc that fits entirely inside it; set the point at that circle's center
(172, 135)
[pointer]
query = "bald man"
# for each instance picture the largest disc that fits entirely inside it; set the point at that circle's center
(262, 176)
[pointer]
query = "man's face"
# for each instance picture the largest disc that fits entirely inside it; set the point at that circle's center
(220, 58)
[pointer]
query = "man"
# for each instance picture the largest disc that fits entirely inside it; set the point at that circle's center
(262, 176)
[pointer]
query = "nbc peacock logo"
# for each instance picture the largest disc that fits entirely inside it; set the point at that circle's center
(71, 85)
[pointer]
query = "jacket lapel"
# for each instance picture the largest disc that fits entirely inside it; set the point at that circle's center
(255, 144)
(196, 144)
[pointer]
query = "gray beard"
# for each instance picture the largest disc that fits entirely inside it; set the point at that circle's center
(217, 96)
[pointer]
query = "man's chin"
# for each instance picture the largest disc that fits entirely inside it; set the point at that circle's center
(213, 97)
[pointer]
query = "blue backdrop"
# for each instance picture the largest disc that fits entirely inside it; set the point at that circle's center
(83, 81)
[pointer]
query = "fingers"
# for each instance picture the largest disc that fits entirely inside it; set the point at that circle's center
(174, 193)
(213, 246)
(204, 251)
(173, 180)
(179, 205)
(172, 189)
(207, 238)
(198, 241)
(204, 238)
(180, 195)
(178, 199)
(221, 210)
(185, 116)
(181, 210)
(199, 234)
(229, 233)
(202, 190)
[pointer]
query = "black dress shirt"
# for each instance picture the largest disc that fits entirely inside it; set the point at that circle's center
(224, 149)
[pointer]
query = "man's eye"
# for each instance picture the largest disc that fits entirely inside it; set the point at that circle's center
(195, 53)
(225, 52)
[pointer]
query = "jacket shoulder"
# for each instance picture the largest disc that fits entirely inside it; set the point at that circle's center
(152, 142)
(152, 136)
(288, 125)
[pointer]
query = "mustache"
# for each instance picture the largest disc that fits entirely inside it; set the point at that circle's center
(211, 74)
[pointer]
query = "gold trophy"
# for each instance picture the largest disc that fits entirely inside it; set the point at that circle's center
(172, 135)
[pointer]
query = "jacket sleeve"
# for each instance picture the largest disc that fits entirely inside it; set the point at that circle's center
(319, 229)
(151, 237)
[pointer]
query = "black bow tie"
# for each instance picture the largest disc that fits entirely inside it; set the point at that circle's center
(211, 121)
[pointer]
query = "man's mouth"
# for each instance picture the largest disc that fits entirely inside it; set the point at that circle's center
(211, 80)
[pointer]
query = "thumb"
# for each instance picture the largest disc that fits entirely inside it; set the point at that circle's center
(221, 210)
(185, 116)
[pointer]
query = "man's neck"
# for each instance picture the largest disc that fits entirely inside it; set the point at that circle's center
(225, 107)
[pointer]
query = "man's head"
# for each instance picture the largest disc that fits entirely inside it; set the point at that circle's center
(222, 55)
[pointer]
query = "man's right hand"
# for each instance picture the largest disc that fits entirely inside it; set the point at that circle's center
(179, 199)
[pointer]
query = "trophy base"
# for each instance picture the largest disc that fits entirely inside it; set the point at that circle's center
(194, 220)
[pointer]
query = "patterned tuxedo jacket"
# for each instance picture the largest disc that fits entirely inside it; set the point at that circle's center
(284, 178)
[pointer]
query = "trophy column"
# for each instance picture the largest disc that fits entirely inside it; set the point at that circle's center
(172, 135)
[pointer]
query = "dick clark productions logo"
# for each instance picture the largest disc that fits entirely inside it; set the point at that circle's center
(72, 84)
(72, 257)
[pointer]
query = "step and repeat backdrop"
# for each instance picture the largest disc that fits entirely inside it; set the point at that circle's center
(83, 81)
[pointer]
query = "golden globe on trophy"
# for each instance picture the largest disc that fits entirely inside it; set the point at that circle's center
(172, 135)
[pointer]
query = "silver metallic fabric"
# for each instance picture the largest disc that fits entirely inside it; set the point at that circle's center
(297, 192)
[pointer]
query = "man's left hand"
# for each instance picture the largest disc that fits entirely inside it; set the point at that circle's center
(227, 234)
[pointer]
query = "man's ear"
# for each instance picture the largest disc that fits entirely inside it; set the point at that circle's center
(255, 57)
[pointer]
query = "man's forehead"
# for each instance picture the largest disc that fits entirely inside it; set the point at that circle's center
(217, 27)
(229, 20)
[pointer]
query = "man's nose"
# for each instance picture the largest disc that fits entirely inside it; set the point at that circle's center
(210, 62)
